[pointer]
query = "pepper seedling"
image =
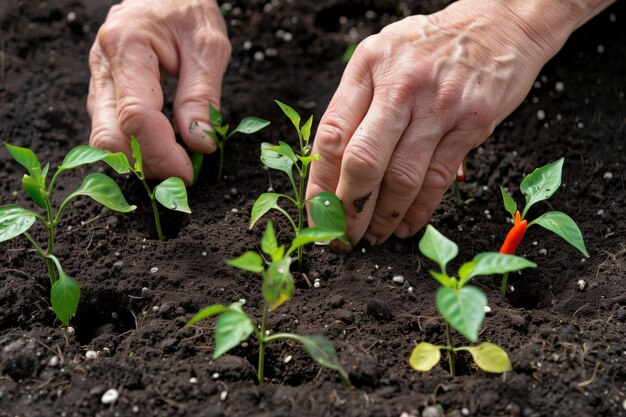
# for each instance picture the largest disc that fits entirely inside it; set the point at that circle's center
(539, 185)
(16, 220)
(325, 208)
(463, 306)
(171, 193)
(234, 326)
(221, 133)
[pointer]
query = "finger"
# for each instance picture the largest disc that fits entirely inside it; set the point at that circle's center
(404, 177)
(135, 70)
(441, 171)
(202, 67)
(366, 158)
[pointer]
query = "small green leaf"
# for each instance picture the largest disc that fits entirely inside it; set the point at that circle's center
(442, 278)
(105, 191)
(26, 158)
(542, 183)
(463, 308)
(251, 125)
(564, 226)
(249, 261)
(207, 312)
(323, 352)
(424, 357)
(269, 244)
(14, 220)
(509, 204)
(490, 263)
(215, 117)
(35, 189)
(313, 234)
(232, 327)
(437, 247)
(306, 130)
(83, 154)
(64, 295)
(347, 54)
(327, 212)
(278, 285)
(489, 357)
(172, 194)
(276, 160)
(291, 114)
(197, 159)
(136, 152)
(118, 161)
(306, 160)
(262, 205)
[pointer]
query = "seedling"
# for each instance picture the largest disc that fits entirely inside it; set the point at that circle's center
(171, 193)
(463, 306)
(539, 185)
(16, 220)
(325, 208)
(247, 126)
(234, 326)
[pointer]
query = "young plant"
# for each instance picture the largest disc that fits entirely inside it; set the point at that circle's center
(539, 185)
(234, 326)
(171, 193)
(463, 306)
(16, 220)
(326, 209)
(247, 126)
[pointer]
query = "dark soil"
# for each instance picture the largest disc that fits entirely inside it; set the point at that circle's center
(567, 345)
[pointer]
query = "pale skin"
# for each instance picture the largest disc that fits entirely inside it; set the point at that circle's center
(413, 101)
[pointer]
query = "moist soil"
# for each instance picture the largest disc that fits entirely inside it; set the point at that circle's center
(563, 325)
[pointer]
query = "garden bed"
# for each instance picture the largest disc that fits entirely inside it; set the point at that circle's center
(566, 339)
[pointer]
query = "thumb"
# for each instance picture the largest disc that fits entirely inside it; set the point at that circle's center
(201, 71)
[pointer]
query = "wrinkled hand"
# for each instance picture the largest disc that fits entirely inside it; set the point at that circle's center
(186, 38)
(413, 101)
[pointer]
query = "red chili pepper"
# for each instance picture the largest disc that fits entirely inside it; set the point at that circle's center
(460, 173)
(515, 235)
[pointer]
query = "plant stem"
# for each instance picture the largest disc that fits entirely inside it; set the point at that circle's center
(505, 278)
(221, 163)
(50, 249)
(157, 219)
(450, 348)
(457, 190)
(262, 342)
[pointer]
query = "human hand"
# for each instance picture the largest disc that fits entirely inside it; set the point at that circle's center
(186, 38)
(415, 99)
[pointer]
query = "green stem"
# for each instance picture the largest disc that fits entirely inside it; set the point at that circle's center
(157, 219)
(505, 278)
(38, 248)
(262, 342)
(220, 167)
(50, 226)
(457, 190)
(450, 348)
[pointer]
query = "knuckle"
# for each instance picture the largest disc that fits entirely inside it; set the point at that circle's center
(111, 34)
(371, 48)
(129, 115)
(403, 177)
(439, 176)
(330, 138)
(359, 160)
(102, 137)
(481, 114)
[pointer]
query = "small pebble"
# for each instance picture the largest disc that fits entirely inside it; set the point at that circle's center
(580, 125)
(317, 284)
(512, 288)
(53, 362)
(70, 330)
(465, 411)
(271, 52)
(362, 250)
(600, 49)
(581, 284)
(600, 212)
(537, 84)
(613, 19)
(91, 354)
(215, 375)
(258, 57)
(370, 14)
(398, 279)
(203, 253)
(233, 191)
(242, 301)
(410, 289)
(71, 16)
(559, 117)
(110, 396)
(343, 20)
(280, 33)
(608, 176)
(287, 359)
(543, 252)
(559, 86)
(155, 308)
(193, 380)
(541, 115)
(234, 211)
(487, 309)
(135, 409)
(431, 411)
(247, 45)
(154, 270)
(223, 395)
(287, 37)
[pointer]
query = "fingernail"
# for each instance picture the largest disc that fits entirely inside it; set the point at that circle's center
(197, 130)
(403, 231)
(373, 240)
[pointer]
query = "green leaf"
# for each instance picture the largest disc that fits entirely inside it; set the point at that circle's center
(197, 159)
(262, 205)
(251, 125)
(249, 261)
(437, 247)
(347, 54)
(26, 158)
(306, 130)
(14, 220)
(313, 234)
(172, 194)
(105, 191)
(542, 183)
(269, 244)
(463, 308)
(509, 204)
(323, 352)
(215, 117)
(136, 152)
(206, 312)
(118, 161)
(233, 327)
(272, 158)
(291, 114)
(564, 226)
(489, 357)
(424, 357)
(442, 278)
(83, 154)
(306, 160)
(490, 263)
(278, 285)
(35, 189)
(64, 295)
(327, 212)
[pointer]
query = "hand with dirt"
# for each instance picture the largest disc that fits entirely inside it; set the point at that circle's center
(418, 96)
(186, 38)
